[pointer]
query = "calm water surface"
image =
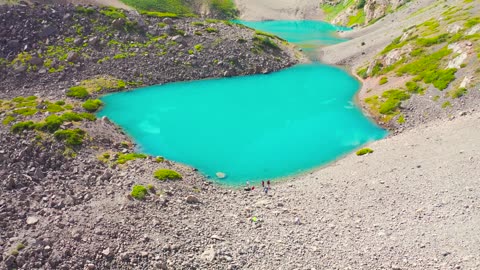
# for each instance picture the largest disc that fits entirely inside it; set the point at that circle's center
(252, 127)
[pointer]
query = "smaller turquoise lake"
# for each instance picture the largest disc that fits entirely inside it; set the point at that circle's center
(252, 127)
(308, 35)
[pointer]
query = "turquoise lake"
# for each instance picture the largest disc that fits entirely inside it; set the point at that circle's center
(251, 128)
(308, 35)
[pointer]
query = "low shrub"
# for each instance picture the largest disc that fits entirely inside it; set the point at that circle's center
(458, 93)
(158, 14)
(211, 30)
(123, 158)
(72, 137)
(166, 174)
(92, 105)
(79, 92)
(364, 151)
(413, 87)
(139, 192)
(383, 80)
(21, 126)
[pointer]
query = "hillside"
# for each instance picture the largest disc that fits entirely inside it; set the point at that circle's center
(423, 69)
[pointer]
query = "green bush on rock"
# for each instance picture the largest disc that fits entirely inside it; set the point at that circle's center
(166, 174)
(123, 158)
(79, 92)
(72, 137)
(139, 192)
(364, 151)
(92, 105)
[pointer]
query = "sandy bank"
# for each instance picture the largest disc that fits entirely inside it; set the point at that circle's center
(255, 10)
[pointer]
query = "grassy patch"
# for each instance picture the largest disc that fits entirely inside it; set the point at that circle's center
(79, 92)
(427, 68)
(165, 174)
(401, 119)
(158, 14)
(383, 80)
(123, 158)
(458, 92)
(21, 126)
(358, 18)
(362, 73)
(446, 104)
(364, 151)
(394, 45)
(71, 137)
(139, 192)
(331, 11)
(264, 42)
(427, 42)
(113, 13)
(92, 105)
(173, 6)
(413, 87)
(8, 119)
(226, 8)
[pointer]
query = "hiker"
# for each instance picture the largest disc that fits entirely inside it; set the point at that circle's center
(268, 184)
(265, 189)
(263, 184)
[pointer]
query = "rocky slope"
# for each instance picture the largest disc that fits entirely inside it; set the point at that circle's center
(358, 12)
(423, 69)
(68, 180)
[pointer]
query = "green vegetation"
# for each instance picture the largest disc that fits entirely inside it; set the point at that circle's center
(264, 42)
(166, 174)
(170, 6)
(394, 45)
(8, 119)
(198, 47)
(331, 11)
(113, 13)
(413, 87)
(159, 159)
(159, 14)
(211, 30)
(21, 126)
(123, 158)
(472, 22)
(84, 10)
(383, 80)
(72, 137)
(427, 68)
(139, 192)
(79, 92)
(427, 42)
(101, 83)
(458, 92)
(401, 119)
(364, 151)
(362, 73)
(358, 18)
(226, 8)
(446, 104)
(393, 99)
(92, 105)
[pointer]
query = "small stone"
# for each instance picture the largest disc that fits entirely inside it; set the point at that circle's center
(208, 254)
(192, 199)
(32, 220)
(216, 237)
(90, 266)
(106, 252)
(221, 175)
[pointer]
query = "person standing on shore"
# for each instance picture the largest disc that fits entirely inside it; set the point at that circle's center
(263, 184)
(268, 184)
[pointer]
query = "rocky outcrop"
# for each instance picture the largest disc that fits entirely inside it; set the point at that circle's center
(366, 10)
(64, 45)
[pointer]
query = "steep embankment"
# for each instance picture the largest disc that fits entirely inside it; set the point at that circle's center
(418, 64)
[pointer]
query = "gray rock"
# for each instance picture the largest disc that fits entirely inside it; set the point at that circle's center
(73, 57)
(168, 21)
(36, 61)
(13, 44)
(32, 220)
(192, 199)
(48, 31)
(208, 254)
